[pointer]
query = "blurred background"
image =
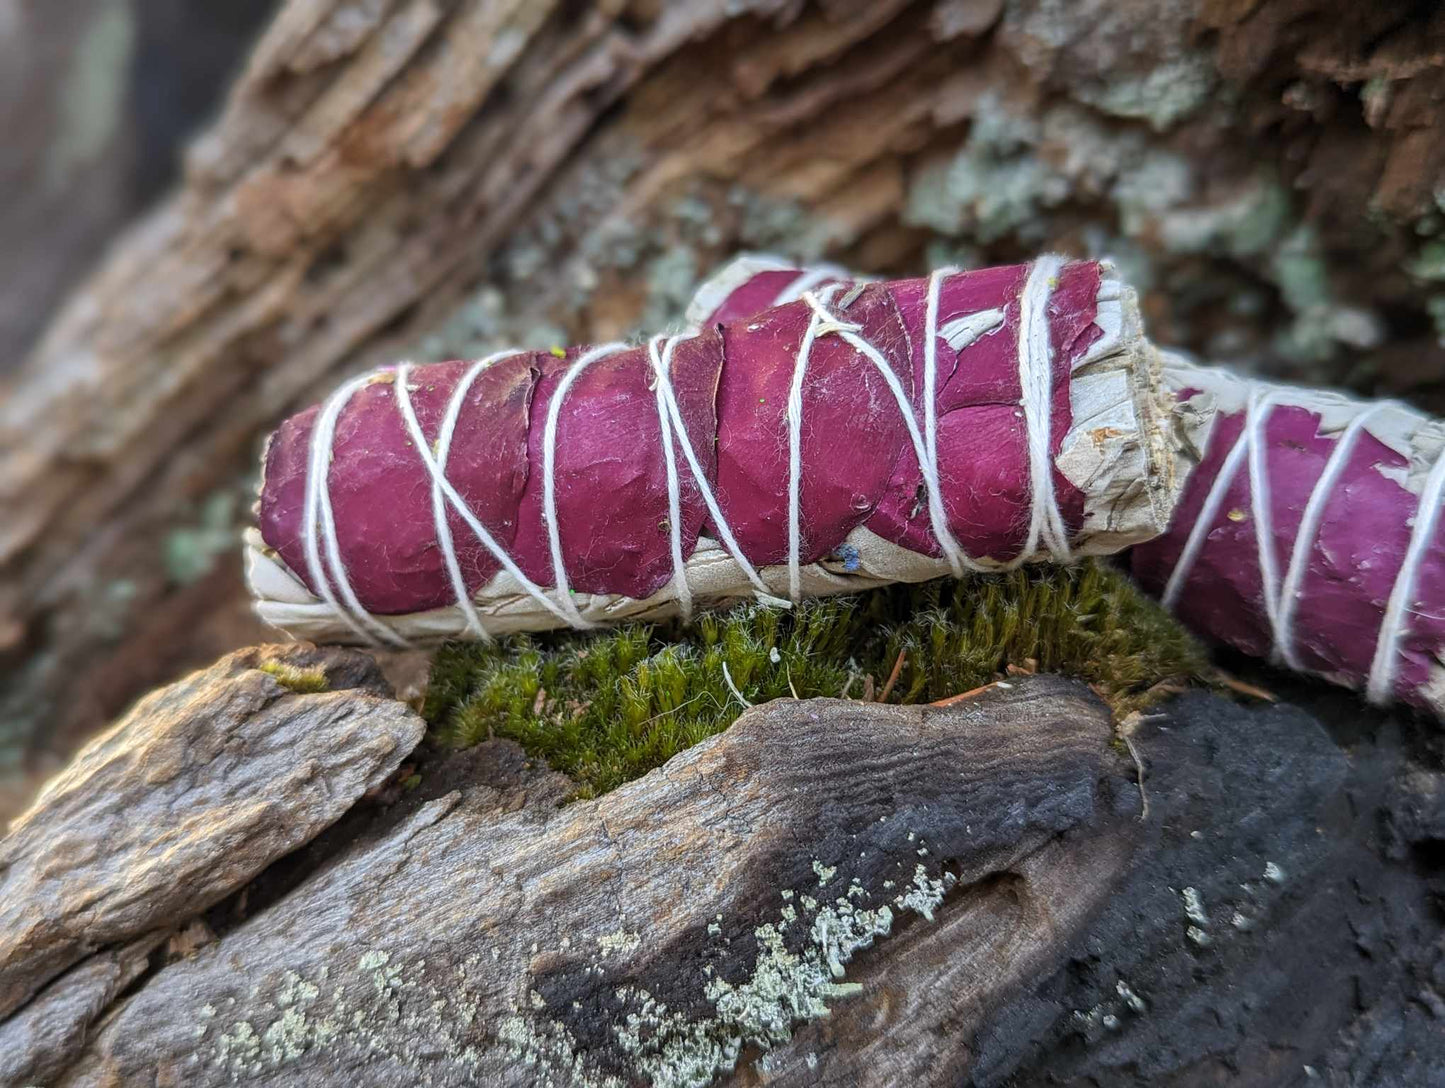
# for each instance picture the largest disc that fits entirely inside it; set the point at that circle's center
(211, 212)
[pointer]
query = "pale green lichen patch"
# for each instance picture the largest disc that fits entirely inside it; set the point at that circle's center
(192, 551)
(303, 681)
(1435, 307)
(607, 707)
(995, 185)
(380, 1009)
(1163, 96)
(797, 971)
(1023, 177)
(621, 941)
(93, 93)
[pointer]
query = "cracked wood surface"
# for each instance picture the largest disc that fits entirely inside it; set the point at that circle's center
(673, 928)
(184, 801)
(827, 893)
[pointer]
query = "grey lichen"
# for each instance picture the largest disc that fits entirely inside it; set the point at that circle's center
(926, 893)
(1435, 307)
(672, 277)
(1321, 322)
(380, 1008)
(996, 184)
(799, 969)
(1194, 907)
(192, 551)
(779, 224)
(1162, 96)
(620, 941)
(93, 93)
(1024, 177)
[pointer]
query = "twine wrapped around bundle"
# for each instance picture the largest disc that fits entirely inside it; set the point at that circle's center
(839, 436)
(1308, 533)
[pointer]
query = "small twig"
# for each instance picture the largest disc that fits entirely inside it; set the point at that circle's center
(892, 677)
(1239, 687)
(1126, 730)
(849, 684)
(734, 688)
(662, 713)
(962, 696)
(1139, 768)
(1163, 688)
(790, 682)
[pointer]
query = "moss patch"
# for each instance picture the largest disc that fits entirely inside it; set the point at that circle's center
(294, 678)
(607, 707)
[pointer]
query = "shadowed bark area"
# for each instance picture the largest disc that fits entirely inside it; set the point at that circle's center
(439, 178)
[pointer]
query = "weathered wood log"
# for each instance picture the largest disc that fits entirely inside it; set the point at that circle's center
(430, 178)
(1278, 924)
(673, 927)
(188, 798)
(829, 892)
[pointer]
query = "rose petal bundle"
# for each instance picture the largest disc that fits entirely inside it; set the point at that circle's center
(837, 436)
(1308, 533)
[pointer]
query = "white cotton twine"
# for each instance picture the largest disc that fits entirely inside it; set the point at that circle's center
(1035, 363)
(549, 479)
(674, 426)
(436, 468)
(318, 508)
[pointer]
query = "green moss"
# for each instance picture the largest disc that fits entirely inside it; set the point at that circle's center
(294, 678)
(607, 707)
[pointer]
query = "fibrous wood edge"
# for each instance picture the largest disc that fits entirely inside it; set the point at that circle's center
(186, 799)
(676, 928)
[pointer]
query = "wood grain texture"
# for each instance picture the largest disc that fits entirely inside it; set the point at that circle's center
(38, 1039)
(829, 893)
(678, 926)
(185, 800)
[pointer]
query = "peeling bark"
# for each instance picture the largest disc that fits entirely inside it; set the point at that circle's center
(186, 799)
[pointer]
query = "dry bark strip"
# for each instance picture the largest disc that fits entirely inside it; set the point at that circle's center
(674, 928)
(185, 800)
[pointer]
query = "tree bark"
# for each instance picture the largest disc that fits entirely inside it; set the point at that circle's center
(659, 933)
(186, 799)
(829, 892)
